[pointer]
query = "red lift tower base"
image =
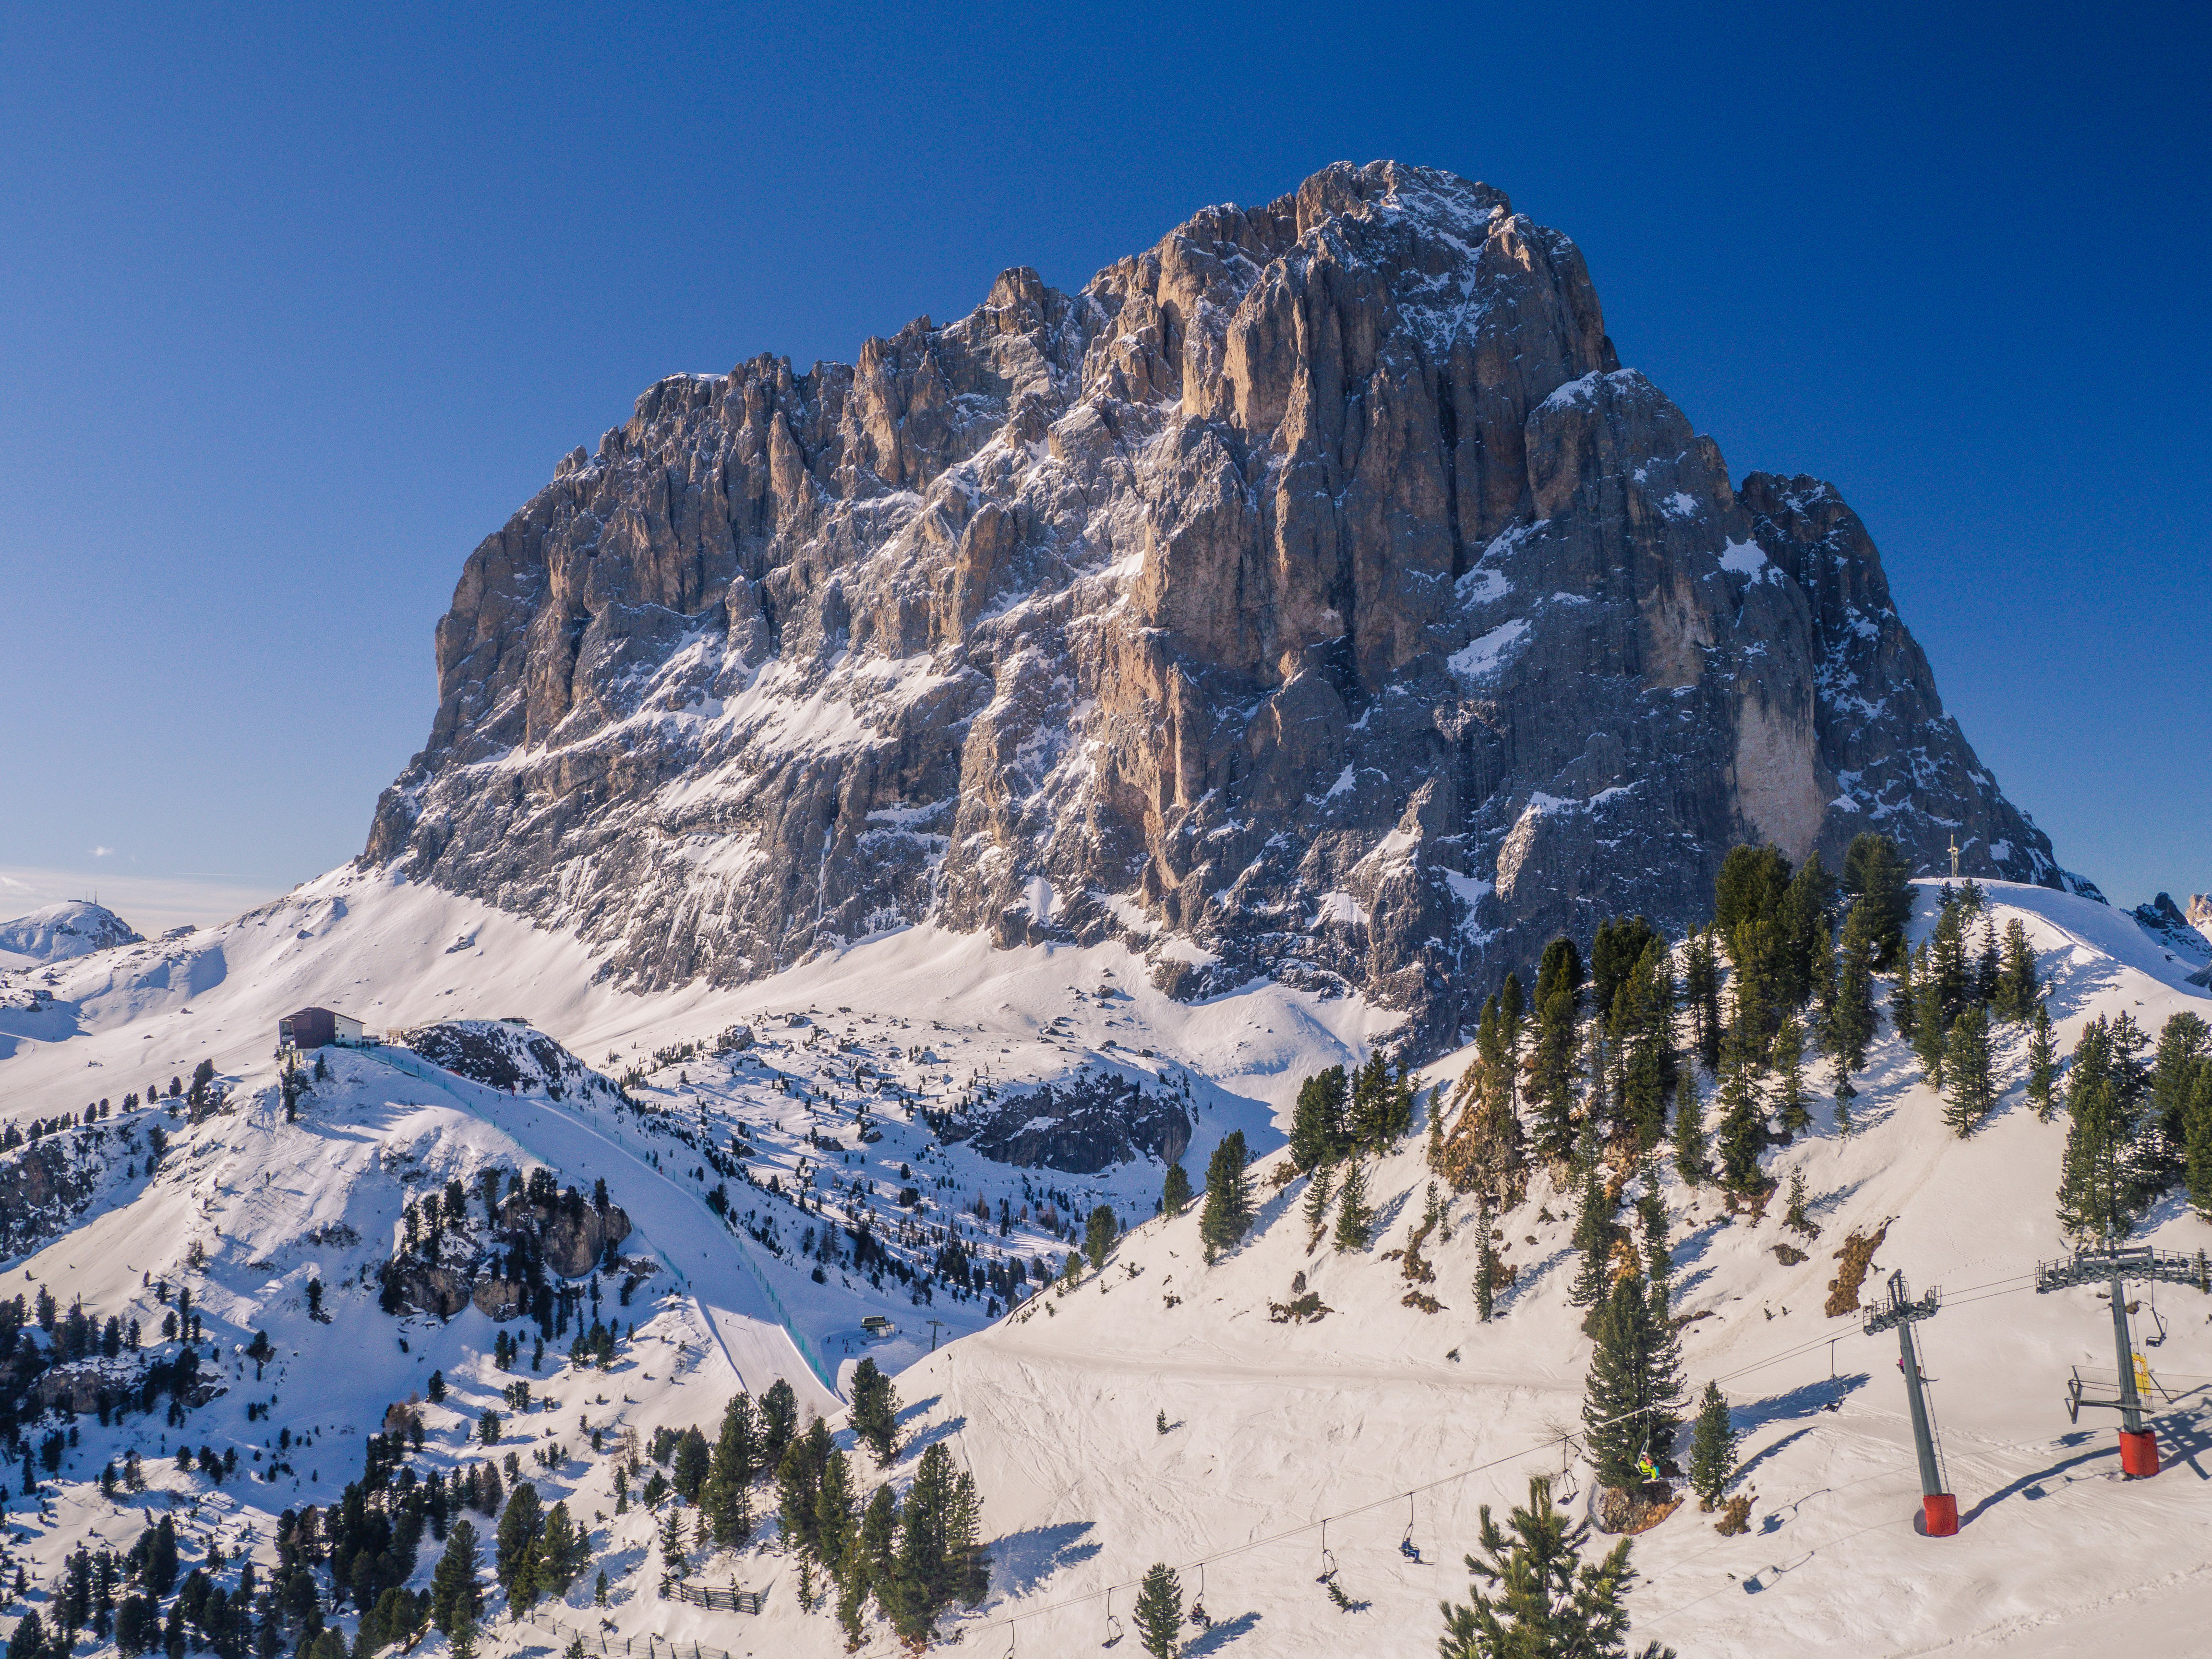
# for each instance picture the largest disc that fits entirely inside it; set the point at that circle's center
(2138, 1454)
(1939, 1514)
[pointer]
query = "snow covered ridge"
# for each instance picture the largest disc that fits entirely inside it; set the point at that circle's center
(1392, 1422)
(1274, 573)
(72, 928)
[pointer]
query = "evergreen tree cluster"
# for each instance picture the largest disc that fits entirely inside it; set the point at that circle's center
(1338, 1114)
(1952, 988)
(910, 1563)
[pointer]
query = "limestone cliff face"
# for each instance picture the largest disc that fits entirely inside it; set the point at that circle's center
(1314, 594)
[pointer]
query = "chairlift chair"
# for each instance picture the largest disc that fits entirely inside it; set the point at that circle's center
(1407, 1547)
(1198, 1613)
(1113, 1625)
(1328, 1558)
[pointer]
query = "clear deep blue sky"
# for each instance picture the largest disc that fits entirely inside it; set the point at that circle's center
(294, 308)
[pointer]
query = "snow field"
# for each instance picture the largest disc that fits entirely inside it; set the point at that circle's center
(1273, 1427)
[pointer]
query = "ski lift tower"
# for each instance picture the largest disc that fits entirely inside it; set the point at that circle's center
(1939, 1509)
(2116, 1265)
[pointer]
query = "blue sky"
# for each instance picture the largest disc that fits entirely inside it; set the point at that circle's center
(297, 304)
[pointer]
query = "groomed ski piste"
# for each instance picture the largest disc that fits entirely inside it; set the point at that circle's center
(1389, 1424)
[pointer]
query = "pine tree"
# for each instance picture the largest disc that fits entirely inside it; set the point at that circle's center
(2198, 1144)
(1690, 1133)
(689, 1464)
(779, 1421)
(1593, 1070)
(879, 1538)
(1849, 1020)
(1701, 993)
(1159, 1610)
(1803, 927)
(728, 1498)
(1317, 1130)
(674, 1563)
(1494, 1153)
(1904, 999)
(2180, 1056)
(1633, 1395)
(1533, 1597)
(1552, 1077)
(1969, 1095)
(1174, 1191)
(2017, 987)
(1355, 1221)
(2042, 1066)
(875, 1411)
(1753, 948)
(1098, 1235)
(1320, 1188)
(938, 1561)
(1712, 1449)
(1643, 1028)
(1794, 1216)
(1652, 1211)
(1485, 1258)
(836, 1515)
(559, 1554)
(2103, 1191)
(1875, 871)
(852, 1609)
(1561, 969)
(1593, 1236)
(461, 1640)
(1988, 964)
(1931, 1027)
(1614, 953)
(1947, 968)
(797, 1485)
(1228, 1211)
(1791, 1116)
(518, 1530)
(454, 1595)
(1743, 1135)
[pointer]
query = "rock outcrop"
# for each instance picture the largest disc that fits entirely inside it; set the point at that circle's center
(543, 1237)
(1312, 594)
(2188, 933)
(506, 1054)
(1087, 1124)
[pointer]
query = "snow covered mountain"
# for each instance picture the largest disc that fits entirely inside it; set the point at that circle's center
(1314, 594)
(1391, 1422)
(71, 928)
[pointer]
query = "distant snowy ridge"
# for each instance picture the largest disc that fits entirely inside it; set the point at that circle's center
(74, 927)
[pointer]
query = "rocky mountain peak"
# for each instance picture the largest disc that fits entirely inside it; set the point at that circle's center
(1313, 593)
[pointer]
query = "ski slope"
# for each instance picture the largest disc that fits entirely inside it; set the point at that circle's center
(1391, 1424)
